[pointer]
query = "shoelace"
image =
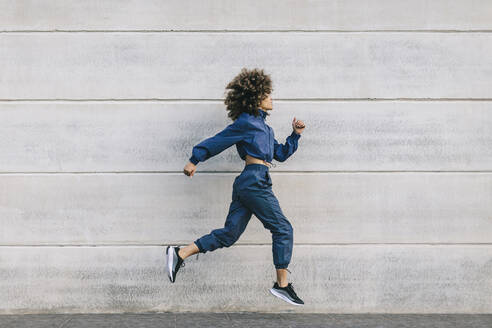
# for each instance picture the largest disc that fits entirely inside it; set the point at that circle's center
(290, 286)
(183, 263)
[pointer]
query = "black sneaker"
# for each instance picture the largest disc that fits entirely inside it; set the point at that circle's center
(174, 262)
(287, 294)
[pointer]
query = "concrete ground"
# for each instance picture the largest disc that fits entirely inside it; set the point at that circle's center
(218, 320)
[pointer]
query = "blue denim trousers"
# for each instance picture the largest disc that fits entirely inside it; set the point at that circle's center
(252, 194)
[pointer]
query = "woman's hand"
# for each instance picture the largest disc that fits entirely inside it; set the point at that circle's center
(298, 126)
(189, 169)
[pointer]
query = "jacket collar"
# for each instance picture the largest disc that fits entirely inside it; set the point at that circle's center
(262, 113)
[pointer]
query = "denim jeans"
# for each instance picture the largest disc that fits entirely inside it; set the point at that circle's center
(252, 194)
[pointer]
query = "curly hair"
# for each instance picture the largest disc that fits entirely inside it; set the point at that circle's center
(247, 91)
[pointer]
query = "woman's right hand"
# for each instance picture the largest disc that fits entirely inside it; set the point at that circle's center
(189, 169)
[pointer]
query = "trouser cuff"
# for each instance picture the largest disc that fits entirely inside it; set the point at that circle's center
(199, 245)
(281, 266)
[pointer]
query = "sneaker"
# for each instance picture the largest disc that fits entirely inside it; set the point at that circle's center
(287, 294)
(174, 262)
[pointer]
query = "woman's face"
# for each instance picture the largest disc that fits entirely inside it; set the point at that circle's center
(267, 103)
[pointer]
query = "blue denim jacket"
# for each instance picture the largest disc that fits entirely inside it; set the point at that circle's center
(252, 136)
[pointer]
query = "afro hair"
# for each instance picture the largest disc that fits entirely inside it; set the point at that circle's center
(246, 92)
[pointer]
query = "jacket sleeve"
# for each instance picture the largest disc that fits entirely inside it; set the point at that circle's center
(283, 151)
(212, 146)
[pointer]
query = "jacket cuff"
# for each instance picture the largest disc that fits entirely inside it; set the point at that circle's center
(194, 160)
(295, 135)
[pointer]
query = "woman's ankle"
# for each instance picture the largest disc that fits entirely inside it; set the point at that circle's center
(187, 251)
(282, 277)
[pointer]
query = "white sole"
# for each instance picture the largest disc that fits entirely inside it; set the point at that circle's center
(274, 292)
(169, 253)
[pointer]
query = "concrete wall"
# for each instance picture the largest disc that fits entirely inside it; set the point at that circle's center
(389, 192)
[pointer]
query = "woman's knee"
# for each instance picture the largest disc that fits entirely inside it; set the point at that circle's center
(284, 230)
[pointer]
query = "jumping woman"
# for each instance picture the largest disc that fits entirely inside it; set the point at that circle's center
(248, 103)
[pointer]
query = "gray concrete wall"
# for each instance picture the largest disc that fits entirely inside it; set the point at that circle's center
(389, 192)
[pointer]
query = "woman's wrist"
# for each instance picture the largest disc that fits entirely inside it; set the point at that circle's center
(194, 160)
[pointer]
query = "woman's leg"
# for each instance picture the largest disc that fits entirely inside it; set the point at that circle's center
(235, 224)
(265, 206)
(282, 277)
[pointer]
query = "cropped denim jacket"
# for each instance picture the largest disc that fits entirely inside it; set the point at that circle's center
(252, 136)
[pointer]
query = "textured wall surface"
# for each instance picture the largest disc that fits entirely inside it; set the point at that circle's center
(389, 192)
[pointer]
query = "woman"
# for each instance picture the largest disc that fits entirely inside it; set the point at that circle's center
(248, 101)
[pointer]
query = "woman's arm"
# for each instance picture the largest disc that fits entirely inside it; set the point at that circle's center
(283, 151)
(212, 146)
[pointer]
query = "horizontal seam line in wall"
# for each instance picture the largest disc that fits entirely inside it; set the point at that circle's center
(221, 100)
(235, 245)
(236, 172)
(248, 31)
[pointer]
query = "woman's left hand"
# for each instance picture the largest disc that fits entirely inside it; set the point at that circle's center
(298, 126)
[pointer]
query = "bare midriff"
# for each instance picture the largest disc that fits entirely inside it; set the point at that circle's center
(253, 160)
